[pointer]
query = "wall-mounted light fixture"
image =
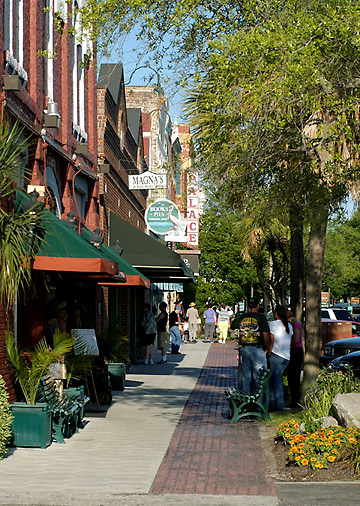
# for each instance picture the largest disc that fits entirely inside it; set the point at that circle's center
(51, 115)
(81, 148)
(104, 168)
(12, 83)
(117, 248)
(96, 238)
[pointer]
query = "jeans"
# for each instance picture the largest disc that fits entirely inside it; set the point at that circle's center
(277, 367)
(209, 331)
(252, 360)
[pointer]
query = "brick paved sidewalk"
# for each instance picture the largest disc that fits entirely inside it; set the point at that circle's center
(207, 454)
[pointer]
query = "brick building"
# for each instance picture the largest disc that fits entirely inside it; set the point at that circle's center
(49, 86)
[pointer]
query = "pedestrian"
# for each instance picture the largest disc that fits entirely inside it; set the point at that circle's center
(175, 337)
(296, 361)
(223, 322)
(254, 343)
(179, 306)
(209, 324)
(163, 336)
(192, 315)
(149, 324)
(280, 334)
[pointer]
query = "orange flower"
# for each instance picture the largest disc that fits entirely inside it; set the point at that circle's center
(331, 458)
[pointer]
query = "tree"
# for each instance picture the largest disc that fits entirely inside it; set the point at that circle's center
(19, 238)
(342, 259)
(277, 108)
(224, 275)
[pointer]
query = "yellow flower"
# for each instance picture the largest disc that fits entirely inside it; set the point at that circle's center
(334, 451)
(352, 440)
(297, 458)
(331, 458)
(312, 459)
(337, 442)
(304, 462)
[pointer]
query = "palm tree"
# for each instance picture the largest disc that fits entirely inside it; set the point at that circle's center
(18, 236)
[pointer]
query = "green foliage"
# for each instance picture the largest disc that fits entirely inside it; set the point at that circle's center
(117, 344)
(342, 259)
(224, 275)
(5, 418)
(318, 399)
(19, 238)
(30, 365)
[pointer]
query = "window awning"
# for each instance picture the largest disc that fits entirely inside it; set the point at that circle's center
(63, 249)
(133, 276)
(149, 256)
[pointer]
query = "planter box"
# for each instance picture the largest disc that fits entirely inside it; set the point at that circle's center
(117, 371)
(31, 426)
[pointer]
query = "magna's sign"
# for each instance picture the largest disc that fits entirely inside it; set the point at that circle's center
(147, 181)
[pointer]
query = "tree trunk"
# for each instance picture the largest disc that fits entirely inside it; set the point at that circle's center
(296, 262)
(314, 270)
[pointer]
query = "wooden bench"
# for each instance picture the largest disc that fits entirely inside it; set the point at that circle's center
(243, 404)
(66, 410)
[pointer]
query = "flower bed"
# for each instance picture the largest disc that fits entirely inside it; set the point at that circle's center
(320, 448)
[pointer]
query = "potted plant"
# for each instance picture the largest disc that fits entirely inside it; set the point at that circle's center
(31, 424)
(117, 352)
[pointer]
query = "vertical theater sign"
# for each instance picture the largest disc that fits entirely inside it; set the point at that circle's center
(193, 208)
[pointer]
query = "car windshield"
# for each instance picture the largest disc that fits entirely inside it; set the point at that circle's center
(342, 314)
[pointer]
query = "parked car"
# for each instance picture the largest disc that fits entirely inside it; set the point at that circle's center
(335, 313)
(349, 361)
(339, 348)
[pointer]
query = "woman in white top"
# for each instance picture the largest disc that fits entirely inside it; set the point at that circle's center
(280, 333)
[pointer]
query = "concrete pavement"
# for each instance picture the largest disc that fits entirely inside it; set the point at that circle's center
(165, 440)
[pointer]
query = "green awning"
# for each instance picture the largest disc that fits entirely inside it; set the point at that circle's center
(149, 256)
(63, 249)
(133, 276)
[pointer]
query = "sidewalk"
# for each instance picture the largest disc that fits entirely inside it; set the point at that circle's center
(140, 449)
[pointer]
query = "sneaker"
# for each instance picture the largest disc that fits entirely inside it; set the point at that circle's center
(146, 361)
(162, 362)
(151, 361)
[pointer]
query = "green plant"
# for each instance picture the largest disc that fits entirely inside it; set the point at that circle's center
(5, 418)
(30, 365)
(77, 367)
(116, 343)
(318, 399)
(319, 448)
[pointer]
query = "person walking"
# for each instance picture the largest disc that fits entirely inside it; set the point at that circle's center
(163, 336)
(254, 342)
(280, 334)
(209, 324)
(149, 324)
(296, 361)
(175, 336)
(223, 322)
(192, 316)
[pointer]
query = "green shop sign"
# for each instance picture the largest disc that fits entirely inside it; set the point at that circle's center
(163, 217)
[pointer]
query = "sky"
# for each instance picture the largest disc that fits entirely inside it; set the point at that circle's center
(130, 53)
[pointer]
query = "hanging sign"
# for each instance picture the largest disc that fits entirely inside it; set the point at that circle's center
(163, 218)
(147, 181)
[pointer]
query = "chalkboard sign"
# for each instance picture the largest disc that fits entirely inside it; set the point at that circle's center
(85, 342)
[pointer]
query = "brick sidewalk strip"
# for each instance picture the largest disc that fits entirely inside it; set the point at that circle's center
(207, 454)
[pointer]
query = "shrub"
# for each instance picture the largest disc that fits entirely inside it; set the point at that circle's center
(5, 418)
(318, 400)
